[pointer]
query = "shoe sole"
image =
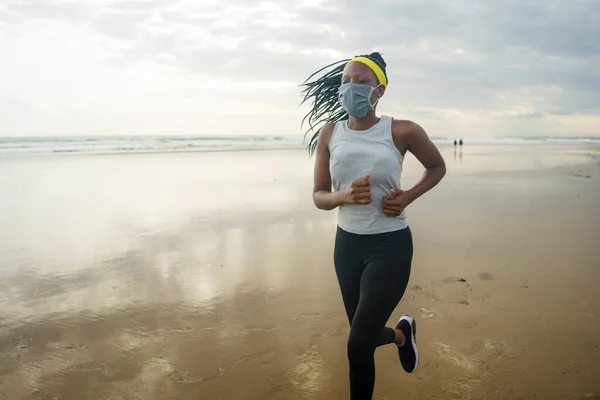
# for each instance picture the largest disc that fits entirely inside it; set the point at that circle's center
(413, 331)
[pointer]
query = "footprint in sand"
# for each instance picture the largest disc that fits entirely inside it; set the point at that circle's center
(20, 348)
(484, 276)
(477, 356)
(495, 348)
(459, 388)
(425, 313)
(486, 350)
(444, 351)
(592, 346)
(470, 324)
(427, 369)
(186, 377)
(432, 297)
(574, 369)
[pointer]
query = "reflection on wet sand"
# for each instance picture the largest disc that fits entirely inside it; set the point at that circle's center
(460, 154)
(181, 308)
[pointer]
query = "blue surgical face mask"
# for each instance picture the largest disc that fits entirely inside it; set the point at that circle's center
(356, 99)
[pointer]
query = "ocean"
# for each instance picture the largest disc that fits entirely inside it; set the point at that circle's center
(29, 146)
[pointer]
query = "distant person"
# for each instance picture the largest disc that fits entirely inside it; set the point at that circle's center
(454, 142)
(461, 142)
(361, 156)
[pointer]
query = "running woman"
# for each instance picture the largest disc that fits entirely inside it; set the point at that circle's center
(358, 166)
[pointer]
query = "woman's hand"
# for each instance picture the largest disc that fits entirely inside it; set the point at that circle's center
(358, 192)
(394, 207)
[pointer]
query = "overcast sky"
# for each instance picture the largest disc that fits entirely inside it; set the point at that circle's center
(458, 68)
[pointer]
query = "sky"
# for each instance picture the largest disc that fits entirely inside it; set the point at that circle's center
(188, 67)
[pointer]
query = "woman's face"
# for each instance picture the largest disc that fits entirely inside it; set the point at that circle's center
(359, 73)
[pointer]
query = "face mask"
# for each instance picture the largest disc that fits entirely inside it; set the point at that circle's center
(356, 99)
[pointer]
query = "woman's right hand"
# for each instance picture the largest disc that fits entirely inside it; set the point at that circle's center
(358, 192)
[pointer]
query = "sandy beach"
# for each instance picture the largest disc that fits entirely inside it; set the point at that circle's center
(209, 275)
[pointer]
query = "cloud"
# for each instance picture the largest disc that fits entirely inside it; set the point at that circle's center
(59, 10)
(530, 61)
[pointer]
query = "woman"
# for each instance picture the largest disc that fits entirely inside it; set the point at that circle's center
(360, 155)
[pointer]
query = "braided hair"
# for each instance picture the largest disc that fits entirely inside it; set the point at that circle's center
(324, 94)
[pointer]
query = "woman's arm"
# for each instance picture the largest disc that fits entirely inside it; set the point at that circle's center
(323, 197)
(409, 136)
(420, 145)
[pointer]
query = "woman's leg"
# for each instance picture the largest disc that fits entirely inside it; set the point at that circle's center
(382, 284)
(349, 266)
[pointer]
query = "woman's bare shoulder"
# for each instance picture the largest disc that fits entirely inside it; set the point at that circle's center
(403, 132)
(405, 127)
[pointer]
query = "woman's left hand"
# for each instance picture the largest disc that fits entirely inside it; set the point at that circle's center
(394, 207)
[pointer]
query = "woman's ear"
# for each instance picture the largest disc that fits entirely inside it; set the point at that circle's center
(380, 91)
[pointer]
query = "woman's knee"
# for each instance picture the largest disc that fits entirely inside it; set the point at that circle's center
(360, 349)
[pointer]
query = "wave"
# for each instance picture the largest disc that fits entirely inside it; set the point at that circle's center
(139, 144)
(522, 140)
(128, 144)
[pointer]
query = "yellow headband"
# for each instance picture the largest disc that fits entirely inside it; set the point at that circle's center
(371, 64)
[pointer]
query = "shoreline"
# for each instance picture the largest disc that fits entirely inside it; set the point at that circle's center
(442, 145)
(158, 151)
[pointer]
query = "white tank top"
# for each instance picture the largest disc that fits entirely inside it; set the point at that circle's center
(353, 154)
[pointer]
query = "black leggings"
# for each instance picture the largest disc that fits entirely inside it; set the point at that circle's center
(373, 272)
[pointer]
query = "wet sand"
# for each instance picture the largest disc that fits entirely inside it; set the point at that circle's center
(210, 276)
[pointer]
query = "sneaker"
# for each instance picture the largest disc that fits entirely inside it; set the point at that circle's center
(409, 355)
